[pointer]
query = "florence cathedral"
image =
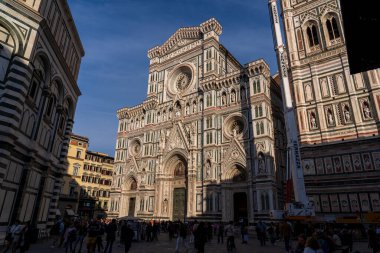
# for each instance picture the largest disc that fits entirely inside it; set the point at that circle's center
(208, 140)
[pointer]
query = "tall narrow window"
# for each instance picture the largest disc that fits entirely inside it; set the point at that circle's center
(312, 35)
(33, 90)
(49, 107)
(259, 111)
(299, 39)
(315, 35)
(208, 100)
(332, 28)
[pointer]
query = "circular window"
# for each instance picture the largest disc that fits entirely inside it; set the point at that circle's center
(135, 147)
(180, 79)
(235, 125)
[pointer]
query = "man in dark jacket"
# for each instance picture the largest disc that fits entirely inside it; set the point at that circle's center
(111, 235)
(129, 234)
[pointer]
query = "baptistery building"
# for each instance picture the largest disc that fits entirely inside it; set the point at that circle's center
(208, 140)
(40, 57)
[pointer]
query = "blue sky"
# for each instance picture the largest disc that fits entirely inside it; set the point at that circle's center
(117, 34)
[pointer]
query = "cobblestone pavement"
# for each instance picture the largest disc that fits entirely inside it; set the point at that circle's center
(164, 245)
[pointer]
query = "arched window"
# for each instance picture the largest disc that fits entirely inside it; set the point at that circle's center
(260, 110)
(257, 128)
(332, 28)
(262, 127)
(258, 87)
(256, 111)
(312, 35)
(50, 106)
(133, 186)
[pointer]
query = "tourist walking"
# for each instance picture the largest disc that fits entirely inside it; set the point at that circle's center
(99, 238)
(111, 235)
(261, 232)
(220, 233)
(286, 233)
(12, 238)
(229, 231)
(70, 238)
(81, 227)
(129, 234)
(25, 238)
(92, 235)
(181, 240)
(200, 238)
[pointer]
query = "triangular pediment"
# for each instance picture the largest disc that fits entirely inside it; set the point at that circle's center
(234, 153)
(185, 36)
(180, 44)
(176, 139)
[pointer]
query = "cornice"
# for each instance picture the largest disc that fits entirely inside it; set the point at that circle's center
(185, 33)
(149, 104)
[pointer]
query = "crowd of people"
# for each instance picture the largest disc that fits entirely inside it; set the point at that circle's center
(99, 235)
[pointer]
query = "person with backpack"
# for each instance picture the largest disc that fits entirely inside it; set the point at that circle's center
(111, 235)
(70, 238)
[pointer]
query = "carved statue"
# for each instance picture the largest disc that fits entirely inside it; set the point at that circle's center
(165, 206)
(313, 121)
(330, 118)
(208, 170)
(233, 97)
(347, 114)
(187, 109)
(366, 111)
(224, 99)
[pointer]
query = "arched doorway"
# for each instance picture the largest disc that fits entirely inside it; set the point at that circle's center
(179, 190)
(132, 199)
(235, 193)
(240, 206)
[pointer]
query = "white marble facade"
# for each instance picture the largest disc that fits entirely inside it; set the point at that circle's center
(204, 138)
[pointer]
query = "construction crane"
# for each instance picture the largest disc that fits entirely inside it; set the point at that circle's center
(302, 206)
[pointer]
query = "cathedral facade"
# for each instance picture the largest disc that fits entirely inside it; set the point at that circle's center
(337, 113)
(208, 140)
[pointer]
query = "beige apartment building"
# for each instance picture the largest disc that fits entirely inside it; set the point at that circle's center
(87, 181)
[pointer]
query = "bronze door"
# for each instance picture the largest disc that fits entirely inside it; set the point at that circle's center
(179, 204)
(131, 210)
